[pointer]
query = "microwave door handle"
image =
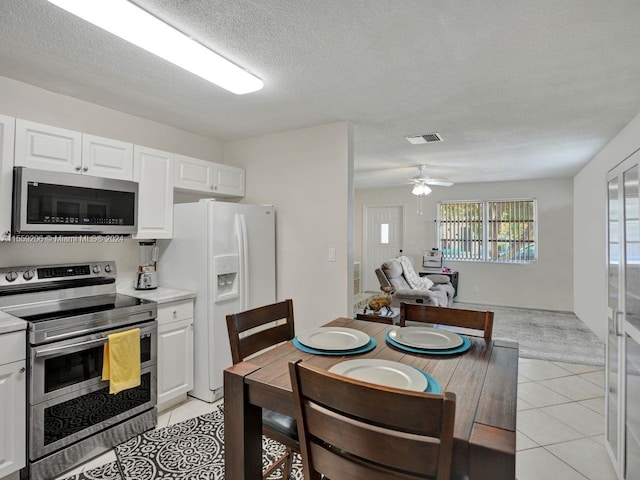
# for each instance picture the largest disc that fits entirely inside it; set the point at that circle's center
(51, 351)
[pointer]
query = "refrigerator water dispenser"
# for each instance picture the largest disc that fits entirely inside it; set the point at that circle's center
(226, 277)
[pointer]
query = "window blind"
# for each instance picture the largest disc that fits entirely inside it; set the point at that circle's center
(501, 231)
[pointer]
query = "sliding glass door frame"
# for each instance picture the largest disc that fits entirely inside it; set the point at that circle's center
(622, 379)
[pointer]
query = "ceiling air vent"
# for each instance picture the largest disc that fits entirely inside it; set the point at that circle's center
(425, 138)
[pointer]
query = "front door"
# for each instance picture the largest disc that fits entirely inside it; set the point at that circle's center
(383, 239)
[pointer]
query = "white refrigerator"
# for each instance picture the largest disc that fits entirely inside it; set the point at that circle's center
(225, 253)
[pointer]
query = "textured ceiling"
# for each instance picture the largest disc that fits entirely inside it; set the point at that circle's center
(516, 89)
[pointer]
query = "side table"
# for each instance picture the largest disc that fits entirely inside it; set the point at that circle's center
(392, 318)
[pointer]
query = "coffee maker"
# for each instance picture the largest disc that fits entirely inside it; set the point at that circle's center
(147, 277)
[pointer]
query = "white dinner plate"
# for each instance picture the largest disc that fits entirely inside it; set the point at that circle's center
(383, 372)
(334, 338)
(428, 338)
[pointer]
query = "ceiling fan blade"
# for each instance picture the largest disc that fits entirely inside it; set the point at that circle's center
(441, 182)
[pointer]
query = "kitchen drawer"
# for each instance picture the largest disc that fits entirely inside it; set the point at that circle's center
(174, 311)
(13, 347)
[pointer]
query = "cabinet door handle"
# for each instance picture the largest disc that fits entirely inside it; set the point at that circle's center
(22, 370)
(84, 169)
(77, 168)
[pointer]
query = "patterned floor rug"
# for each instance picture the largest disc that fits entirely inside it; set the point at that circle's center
(189, 450)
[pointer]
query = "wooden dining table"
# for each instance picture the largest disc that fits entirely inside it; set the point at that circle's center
(484, 379)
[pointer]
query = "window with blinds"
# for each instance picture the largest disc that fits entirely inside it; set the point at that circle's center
(461, 230)
(501, 231)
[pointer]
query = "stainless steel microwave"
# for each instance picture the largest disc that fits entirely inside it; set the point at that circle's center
(47, 202)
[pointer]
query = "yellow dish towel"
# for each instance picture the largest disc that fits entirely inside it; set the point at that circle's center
(121, 361)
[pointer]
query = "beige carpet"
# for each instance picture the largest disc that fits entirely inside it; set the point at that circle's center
(544, 334)
(541, 334)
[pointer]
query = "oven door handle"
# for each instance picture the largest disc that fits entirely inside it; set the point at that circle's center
(73, 347)
(48, 352)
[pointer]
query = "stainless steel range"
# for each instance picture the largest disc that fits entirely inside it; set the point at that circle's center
(71, 309)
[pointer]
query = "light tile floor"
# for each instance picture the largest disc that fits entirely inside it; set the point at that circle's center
(560, 423)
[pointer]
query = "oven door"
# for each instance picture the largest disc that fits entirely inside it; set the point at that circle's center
(71, 365)
(65, 420)
(69, 400)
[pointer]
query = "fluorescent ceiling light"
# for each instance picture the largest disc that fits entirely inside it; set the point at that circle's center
(131, 23)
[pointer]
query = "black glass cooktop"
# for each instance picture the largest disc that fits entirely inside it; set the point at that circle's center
(42, 312)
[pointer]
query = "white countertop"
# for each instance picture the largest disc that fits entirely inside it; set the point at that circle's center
(160, 294)
(9, 323)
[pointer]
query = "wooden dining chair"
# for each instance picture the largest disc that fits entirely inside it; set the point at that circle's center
(353, 429)
(475, 323)
(250, 332)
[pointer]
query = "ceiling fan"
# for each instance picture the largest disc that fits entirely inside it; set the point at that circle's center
(422, 180)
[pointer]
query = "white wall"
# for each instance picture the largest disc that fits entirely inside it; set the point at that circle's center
(25, 101)
(546, 284)
(590, 214)
(305, 173)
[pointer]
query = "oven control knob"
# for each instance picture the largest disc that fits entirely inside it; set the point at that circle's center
(11, 276)
(96, 269)
(28, 275)
(107, 268)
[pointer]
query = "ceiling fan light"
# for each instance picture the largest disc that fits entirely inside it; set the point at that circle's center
(131, 23)
(421, 189)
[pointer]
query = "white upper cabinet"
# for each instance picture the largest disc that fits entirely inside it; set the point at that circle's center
(47, 148)
(57, 149)
(104, 157)
(212, 179)
(228, 181)
(193, 174)
(7, 133)
(153, 170)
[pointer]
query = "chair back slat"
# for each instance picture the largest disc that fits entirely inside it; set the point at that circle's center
(393, 447)
(265, 339)
(340, 465)
(455, 317)
(354, 429)
(404, 410)
(246, 336)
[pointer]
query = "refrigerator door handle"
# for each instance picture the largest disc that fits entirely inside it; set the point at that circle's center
(243, 252)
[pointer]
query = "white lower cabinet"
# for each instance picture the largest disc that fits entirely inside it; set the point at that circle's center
(175, 352)
(13, 403)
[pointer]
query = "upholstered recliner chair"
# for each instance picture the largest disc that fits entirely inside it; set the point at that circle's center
(409, 287)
